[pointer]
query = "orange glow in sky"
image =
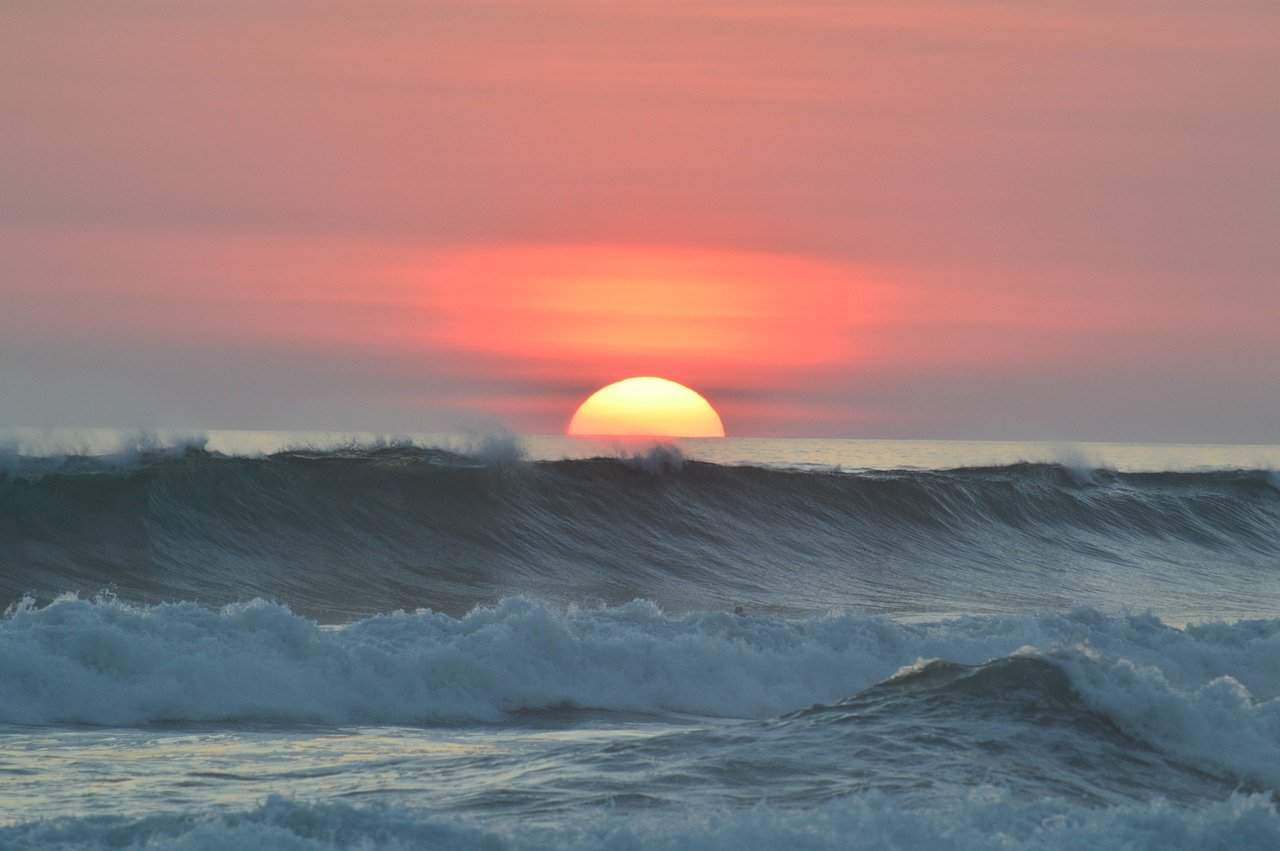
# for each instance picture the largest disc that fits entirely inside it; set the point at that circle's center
(593, 312)
(994, 220)
(646, 407)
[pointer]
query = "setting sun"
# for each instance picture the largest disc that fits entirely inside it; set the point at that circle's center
(646, 407)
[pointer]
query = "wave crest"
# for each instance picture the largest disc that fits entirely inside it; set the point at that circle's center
(343, 532)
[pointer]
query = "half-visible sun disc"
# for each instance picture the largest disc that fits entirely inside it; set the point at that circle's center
(646, 407)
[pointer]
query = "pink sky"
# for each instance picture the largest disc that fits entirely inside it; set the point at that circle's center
(907, 219)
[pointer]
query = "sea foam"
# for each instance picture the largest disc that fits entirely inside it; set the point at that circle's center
(988, 822)
(1207, 693)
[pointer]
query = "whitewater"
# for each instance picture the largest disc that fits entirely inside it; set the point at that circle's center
(248, 641)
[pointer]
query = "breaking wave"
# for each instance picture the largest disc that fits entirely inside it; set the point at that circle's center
(1207, 694)
(347, 532)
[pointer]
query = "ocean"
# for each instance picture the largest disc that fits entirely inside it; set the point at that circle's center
(315, 641)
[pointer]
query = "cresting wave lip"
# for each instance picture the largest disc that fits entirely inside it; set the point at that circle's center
(344, 533)
(502, 449)
(1205, 694)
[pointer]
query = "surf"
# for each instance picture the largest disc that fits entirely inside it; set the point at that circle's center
(1185, 703)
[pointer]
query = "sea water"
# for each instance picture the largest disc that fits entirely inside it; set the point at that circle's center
(330, 641)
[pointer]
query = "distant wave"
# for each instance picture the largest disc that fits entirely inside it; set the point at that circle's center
(345, 532)
(1208, 694)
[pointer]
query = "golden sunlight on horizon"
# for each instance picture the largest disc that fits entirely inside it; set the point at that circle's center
(646, 406)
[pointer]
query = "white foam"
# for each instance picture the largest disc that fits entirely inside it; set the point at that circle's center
(1208, 692)
(989, 821)
(1218, 724)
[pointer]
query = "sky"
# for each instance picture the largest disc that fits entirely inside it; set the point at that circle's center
(1008, 220)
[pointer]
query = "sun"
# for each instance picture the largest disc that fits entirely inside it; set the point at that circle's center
(646, 407)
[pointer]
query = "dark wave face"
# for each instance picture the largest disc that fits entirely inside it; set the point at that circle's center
(338, 534)
(1015, 722)
(929, 735)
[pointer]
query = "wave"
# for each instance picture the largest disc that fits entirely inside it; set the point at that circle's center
(345, 532)
(987, 821)
(1208, 694)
